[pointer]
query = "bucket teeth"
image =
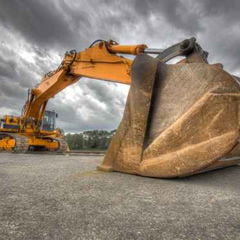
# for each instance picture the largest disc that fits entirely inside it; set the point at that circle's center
(179, 120)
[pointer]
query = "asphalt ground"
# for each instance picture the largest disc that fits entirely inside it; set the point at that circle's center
(60, 197)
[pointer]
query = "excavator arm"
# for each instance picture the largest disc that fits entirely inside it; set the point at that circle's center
(99, 61)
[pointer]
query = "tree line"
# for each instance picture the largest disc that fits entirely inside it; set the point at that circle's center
(97, 139)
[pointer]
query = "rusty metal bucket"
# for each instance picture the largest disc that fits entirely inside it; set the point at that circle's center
(179, 120)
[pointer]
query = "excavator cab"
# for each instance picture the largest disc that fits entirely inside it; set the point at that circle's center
(49, 121)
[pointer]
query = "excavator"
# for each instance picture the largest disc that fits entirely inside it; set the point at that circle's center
(180, 118)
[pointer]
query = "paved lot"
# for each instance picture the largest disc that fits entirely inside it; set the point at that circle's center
(59, 197)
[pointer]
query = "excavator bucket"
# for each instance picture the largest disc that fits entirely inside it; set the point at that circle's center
(180, 119)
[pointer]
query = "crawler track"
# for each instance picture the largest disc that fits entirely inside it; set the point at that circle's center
(21, 142)
(63, 146)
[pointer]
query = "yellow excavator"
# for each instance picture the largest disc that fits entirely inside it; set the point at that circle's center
(180, 119)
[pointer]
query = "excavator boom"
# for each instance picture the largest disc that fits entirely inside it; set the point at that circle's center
(99, 61)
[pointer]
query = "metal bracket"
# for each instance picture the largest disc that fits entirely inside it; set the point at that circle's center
(183, 48)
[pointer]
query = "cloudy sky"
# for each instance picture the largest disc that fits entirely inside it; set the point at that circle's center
(34, 35)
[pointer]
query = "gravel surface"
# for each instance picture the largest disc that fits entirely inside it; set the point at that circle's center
(60, 197)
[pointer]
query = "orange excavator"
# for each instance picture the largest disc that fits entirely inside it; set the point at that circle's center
(179, 119)
(35, 128)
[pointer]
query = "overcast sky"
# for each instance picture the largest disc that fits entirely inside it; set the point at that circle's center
(34, 35)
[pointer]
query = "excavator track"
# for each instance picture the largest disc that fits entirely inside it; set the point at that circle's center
(63, 146)
(21, 142)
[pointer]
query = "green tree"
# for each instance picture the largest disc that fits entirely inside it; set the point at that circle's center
(96, 139)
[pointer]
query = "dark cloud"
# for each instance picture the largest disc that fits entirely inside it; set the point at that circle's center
(40, 22)
(179, 15)
(226, 9)
(7, 68)
(35, 35)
